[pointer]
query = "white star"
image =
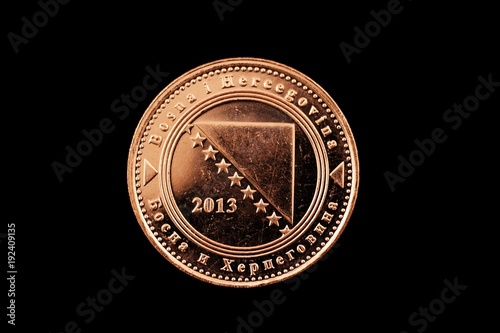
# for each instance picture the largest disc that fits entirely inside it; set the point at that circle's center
(273, 219)
(248, 192)
(223, 166)
(198, 140)
(285, 231)
(187, 129)
(235, 179)
(261, 206)
(210, 153)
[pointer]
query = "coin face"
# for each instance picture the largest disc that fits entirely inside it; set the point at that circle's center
(243, 172)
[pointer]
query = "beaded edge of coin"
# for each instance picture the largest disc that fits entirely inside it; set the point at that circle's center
(326, 113)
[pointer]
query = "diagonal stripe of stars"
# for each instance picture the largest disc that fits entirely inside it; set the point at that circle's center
(236, 179)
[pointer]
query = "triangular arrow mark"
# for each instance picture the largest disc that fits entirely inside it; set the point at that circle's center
(338, 174)
(149, 172)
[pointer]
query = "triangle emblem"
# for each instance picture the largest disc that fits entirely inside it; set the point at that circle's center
(264, 153)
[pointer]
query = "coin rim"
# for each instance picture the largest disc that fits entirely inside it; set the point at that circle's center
(242, 62)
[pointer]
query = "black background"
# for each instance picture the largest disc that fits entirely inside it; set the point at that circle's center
(399, 245)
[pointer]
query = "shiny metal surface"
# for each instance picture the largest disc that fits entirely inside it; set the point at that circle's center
(243, 172)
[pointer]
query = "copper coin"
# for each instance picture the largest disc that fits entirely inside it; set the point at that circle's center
(243, 172)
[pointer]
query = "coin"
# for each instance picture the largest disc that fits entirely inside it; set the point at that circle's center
(243, 172)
